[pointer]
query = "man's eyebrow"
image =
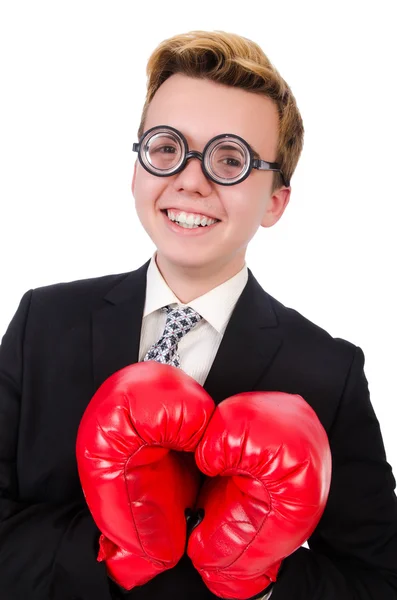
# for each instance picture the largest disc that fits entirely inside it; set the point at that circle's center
(226, 146)
(256, 155)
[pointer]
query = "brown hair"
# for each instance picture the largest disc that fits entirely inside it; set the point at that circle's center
(230, 59)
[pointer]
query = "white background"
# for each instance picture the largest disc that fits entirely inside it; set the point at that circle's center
(72, 86)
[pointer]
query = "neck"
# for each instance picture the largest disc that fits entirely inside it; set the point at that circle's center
(190, 282)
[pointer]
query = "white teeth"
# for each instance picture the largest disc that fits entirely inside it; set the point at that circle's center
(189, 220)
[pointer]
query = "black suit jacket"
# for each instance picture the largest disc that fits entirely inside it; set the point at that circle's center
(66, 339)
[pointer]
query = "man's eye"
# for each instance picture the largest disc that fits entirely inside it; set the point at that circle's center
(231, 162)
(165, 150)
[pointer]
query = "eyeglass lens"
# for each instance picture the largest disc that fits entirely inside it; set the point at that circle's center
(226, 159)
(164, 151)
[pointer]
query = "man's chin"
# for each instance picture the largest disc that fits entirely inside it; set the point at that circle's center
(183, 261)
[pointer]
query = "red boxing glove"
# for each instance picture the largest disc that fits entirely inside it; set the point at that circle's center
(135, 472)
(270, 466)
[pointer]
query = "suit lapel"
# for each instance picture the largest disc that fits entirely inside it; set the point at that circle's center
(250, 342)
(116, 326)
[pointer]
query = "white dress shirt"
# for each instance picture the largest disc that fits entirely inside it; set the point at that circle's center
(198, 348)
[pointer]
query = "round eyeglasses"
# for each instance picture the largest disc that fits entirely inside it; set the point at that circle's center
(227, 159)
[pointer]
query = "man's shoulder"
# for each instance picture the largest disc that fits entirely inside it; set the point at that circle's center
(83, 294)
(297, 328)
(308, 335)
(90, 285)
(80, 292)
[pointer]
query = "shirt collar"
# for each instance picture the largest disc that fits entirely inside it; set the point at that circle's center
(216, 306)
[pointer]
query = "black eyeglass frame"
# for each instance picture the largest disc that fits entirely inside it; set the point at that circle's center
(254, 163)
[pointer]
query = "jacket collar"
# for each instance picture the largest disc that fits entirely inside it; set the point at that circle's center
(251, 339)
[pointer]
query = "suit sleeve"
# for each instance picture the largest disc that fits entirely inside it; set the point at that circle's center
(46, 551)
(352, 554)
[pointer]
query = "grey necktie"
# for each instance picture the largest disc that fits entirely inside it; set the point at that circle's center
(179, 322)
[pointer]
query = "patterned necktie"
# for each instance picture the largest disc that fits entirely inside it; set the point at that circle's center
(179, 322)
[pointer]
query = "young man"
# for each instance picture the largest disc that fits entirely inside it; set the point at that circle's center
(219, 141)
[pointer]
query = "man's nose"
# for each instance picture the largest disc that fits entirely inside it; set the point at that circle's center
(192, 177)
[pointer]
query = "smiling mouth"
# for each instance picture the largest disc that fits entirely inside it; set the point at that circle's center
(190, 224)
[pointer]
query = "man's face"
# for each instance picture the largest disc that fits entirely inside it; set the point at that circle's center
(200, 110)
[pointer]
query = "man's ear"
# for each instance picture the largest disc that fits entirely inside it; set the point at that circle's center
(133, 178)
(276, 206)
